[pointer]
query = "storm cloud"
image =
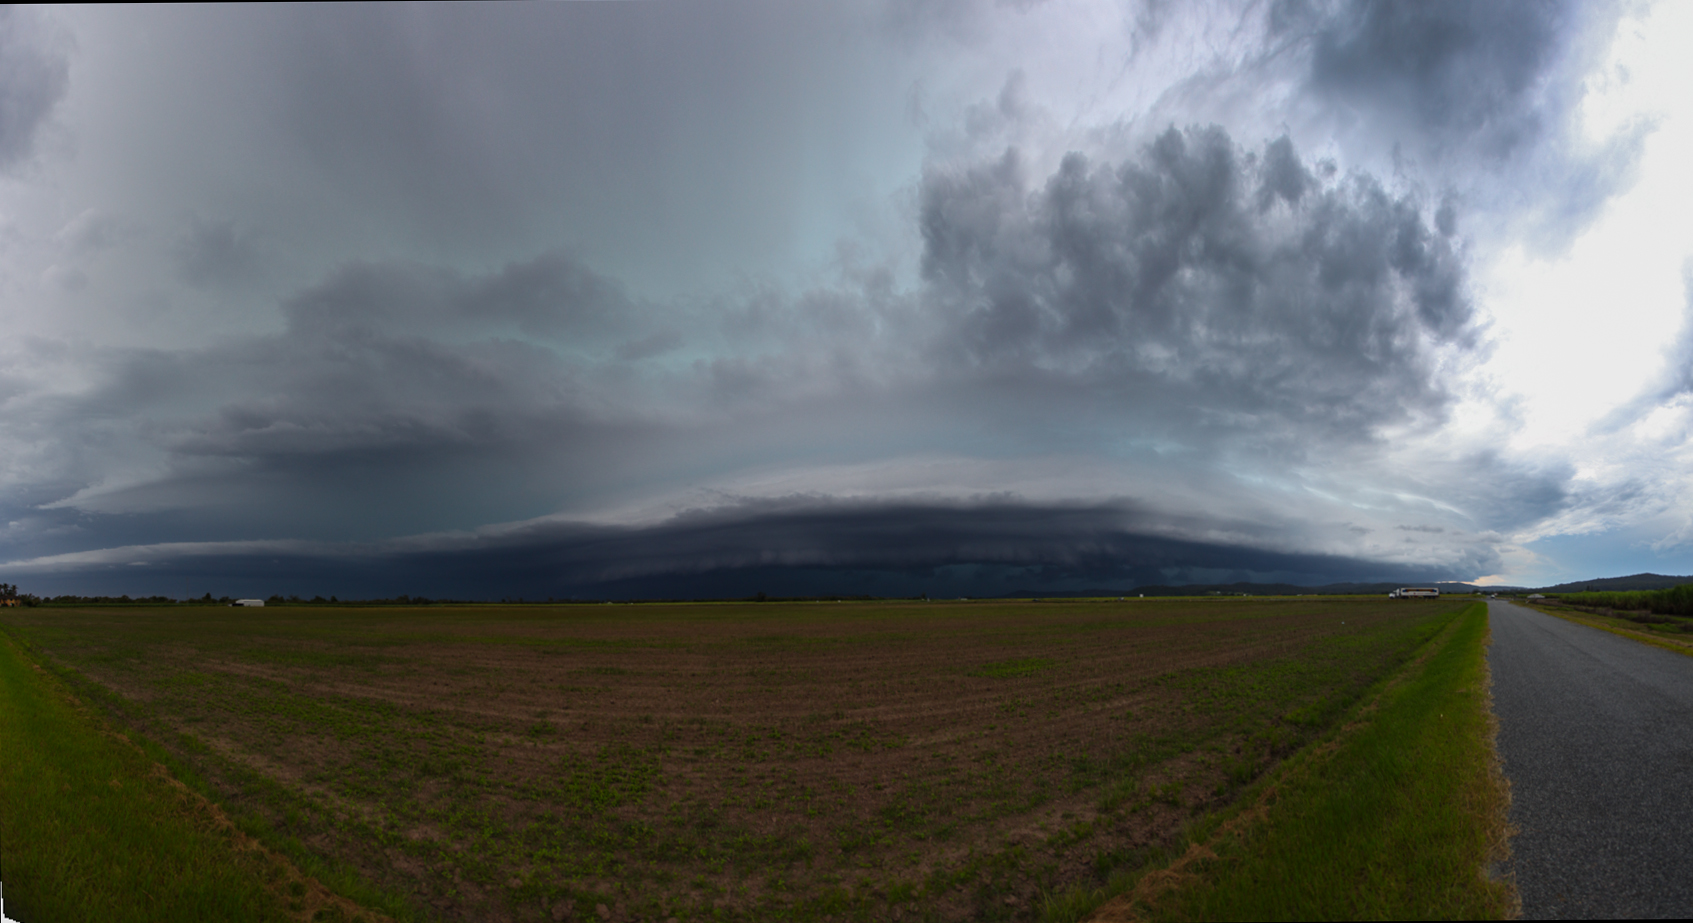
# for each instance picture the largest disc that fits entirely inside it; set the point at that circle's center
(1239, 283)
(643, 300)
(1438, 73)
(1484, 96)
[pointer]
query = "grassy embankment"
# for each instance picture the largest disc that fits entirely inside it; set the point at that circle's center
(1396, 816)
(91, 828)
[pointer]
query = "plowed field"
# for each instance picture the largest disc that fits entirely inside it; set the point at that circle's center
(957, 760)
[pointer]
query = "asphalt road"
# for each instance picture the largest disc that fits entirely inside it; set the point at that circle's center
(1596, 733)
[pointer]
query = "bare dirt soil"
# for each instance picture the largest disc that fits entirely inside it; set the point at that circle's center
(959, 760)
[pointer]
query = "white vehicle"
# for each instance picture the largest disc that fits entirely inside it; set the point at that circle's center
(1415, 592)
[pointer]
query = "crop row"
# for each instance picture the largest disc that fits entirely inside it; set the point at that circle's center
(1673, 601)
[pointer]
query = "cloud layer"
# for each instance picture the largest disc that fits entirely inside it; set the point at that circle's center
(426, 295)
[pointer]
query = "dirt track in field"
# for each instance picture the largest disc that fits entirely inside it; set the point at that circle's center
(958, 760)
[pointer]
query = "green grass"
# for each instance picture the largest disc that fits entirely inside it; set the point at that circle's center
(88, 832)
(1398, 819)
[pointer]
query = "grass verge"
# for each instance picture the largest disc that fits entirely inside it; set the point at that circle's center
(1397, 817)
(91, 829)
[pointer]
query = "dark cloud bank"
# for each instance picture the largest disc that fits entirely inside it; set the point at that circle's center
(786, 548)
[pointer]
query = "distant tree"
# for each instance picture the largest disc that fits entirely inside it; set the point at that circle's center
(9, 596)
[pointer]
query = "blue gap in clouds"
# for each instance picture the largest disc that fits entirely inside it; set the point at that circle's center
(1617, 553)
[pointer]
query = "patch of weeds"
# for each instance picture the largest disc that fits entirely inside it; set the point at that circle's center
(185, 679)
(1005, 669)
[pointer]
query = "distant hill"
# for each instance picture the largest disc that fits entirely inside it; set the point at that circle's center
(1615, 584)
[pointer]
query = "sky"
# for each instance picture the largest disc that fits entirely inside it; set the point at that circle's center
(704, 299)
